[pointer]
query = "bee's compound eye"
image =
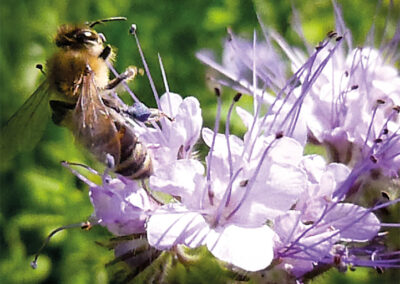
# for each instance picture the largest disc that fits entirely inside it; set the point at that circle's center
(88, 34)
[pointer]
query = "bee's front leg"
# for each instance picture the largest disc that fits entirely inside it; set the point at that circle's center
(105, 53)
(129, 74)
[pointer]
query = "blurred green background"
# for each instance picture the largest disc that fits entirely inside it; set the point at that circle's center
(38, 195)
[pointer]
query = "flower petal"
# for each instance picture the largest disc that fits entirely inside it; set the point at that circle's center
(248, 248)
(355, 222)
(172, 225)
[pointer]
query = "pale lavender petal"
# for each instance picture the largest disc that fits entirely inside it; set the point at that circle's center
(354, 222)
(247, 248)
(170, 103)
(181, 178)
(274, 192)
(173, 225)
(123, 210)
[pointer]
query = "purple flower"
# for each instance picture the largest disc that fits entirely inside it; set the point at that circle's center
(175, 139)
(227, 205)
(257, 201)
(343, 98)
(351, 103)
(308, 233)
(121, 206)
(348, 98)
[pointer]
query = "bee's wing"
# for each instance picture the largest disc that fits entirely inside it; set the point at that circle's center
(93, 122)
(25, 128)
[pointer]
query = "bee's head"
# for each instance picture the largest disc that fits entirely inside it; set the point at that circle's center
(82, 37)
(78, 37)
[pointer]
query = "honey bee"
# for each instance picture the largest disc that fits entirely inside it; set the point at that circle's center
(77, 88)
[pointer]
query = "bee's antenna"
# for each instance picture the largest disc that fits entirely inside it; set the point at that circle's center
(92, 24)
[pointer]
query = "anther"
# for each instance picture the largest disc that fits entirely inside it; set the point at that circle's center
(354, 87)
(380, 101)
(339, 38)
(331, 34)
(346, 73)
(373, 159)
(40, 67)
(217, 92)
(86, 226)
(237, 97)
(337, 259)
(279, 135)
(243, 183)
(385, 131)
(397, 109)
(132, 30)
(378, 140)
(319, 46)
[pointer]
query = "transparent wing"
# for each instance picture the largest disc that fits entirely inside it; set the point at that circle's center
(25, 128)
(93, 123)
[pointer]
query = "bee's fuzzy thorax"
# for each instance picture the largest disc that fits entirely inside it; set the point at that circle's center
(66, 67)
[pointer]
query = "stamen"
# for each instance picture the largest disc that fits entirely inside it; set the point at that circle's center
(79, 175)
(124, 84)
(391, 225)
(146, 67)
(255, 99)
(209, 160)
(226, 198)
(83, 225)
(164, 76)
(227, 124)
(252, 180)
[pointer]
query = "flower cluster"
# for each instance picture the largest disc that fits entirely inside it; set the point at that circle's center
(343, 99)
(258, 201)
